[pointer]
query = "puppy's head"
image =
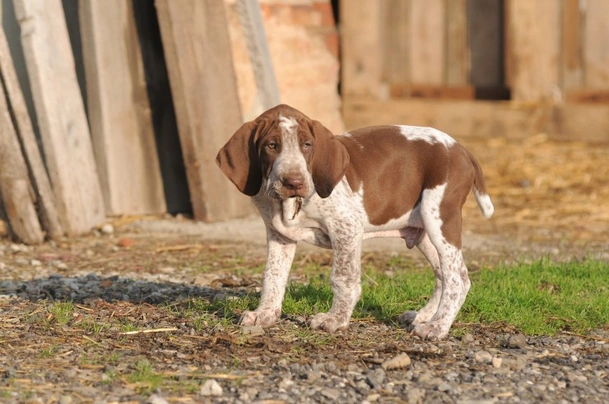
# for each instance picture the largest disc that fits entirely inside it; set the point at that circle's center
(285, 154)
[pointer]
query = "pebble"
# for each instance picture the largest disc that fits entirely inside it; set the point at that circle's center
(211, 388)
(397, 362)
(156, 399)
(107, 229)
(253, 330)
(517, 341)
(483, 357)
(496, 362)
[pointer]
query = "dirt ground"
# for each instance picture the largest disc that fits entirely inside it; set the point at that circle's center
(551, 199)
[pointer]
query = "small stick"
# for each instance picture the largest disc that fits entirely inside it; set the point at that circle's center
(149, 331)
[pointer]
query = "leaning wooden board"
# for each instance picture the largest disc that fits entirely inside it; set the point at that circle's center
(119, 110)
(61, 114)
(16, 196)
(47, 207)
(203, 86)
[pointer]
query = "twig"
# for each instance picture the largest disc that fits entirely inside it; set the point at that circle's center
(179, 248)
(149, 331)
(592, 337)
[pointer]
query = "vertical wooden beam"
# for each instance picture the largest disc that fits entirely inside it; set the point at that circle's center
(396, 41)
(47, 207)
(61, 114)
(16, 195)
(572, 45)
(533, 48)
(428, 42)
(203, 85)
(360, 30)
(596, 44)
(119, 110)
(457, 55)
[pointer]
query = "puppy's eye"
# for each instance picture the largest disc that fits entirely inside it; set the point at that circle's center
(272, 145)
(307, 145)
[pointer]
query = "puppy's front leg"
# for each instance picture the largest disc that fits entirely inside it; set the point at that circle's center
(346, 283)
(280, 254)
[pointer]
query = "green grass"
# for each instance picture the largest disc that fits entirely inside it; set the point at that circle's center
(62, 312)
(145, 377)
(541, 298)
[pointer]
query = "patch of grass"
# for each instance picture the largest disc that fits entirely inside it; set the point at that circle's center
(541, 298)
(49, 352)
(62, 312)
(145, 377)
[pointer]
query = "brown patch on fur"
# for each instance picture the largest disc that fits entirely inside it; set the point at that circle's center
(460, 181)
(393, 170)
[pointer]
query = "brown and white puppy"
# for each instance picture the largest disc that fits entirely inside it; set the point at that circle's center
(335, 191)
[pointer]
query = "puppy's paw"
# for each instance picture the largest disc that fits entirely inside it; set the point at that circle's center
(262, 318)
(329, 322)
(431, 331)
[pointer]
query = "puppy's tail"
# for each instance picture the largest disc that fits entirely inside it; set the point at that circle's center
(484, 201)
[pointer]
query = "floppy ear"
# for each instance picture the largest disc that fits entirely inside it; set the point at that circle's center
(239, 161)
(330, 160)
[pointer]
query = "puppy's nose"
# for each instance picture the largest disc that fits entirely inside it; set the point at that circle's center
(295, 181)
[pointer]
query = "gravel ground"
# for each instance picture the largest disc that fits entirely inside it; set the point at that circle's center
(133, 277)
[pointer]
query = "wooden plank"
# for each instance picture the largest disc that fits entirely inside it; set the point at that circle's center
(463, 118)
(250, 18)
(396, 41)
(428, 42)
(588, 95)
(119, 110)
(47, 208)
(360, 30)
(16, 196)
(195, 39)
(596, 44)
(463, 92)
(572, 45)
(457, 55)
(61, 115)
(533, 48)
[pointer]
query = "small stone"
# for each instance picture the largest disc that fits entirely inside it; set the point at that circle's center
(211, 388)
(574, 358)
(496, 362)
(156, 399)
(62, 266)
(66, 400)
(444, 387)
(253, 330)
(330, 393)
(107, 229)
(35, 263)
(483, 357)
(2, 266)
(375, 378)
(373, 397)
(125, 242)
(397, 362)
(517, 341)
(286, 383)
(415, 395)
(467, 338)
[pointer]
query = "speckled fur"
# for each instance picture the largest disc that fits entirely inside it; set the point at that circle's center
(340, 222)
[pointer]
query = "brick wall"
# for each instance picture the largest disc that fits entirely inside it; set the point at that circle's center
(303, 42)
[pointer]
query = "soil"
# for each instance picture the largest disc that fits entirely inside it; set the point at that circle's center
(551, 199)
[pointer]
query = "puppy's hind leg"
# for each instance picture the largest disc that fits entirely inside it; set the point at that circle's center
(411, 318)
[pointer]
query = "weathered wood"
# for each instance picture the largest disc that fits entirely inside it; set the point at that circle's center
(199, 62)
(457, 55)
(463, 118)
(463, 92)
(119, 110)
(572, 51)
(47, 209)
(360, 29)
(596, 44)
(396, 41)
(428, 42)
(533, 48)
(16, 195)
(61, 114)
